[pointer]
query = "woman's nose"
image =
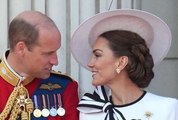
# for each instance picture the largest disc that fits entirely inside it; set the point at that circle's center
(91, 63)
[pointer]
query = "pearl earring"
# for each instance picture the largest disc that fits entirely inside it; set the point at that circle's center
(118, 70)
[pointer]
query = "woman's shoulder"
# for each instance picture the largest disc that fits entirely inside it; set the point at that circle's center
(167, 105)
(161, 99)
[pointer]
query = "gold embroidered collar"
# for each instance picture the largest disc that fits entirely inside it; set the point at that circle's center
(9, 75)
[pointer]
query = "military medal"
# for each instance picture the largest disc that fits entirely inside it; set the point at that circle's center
(53, 111)
(45, 111)
(60, 110)
(37, 112)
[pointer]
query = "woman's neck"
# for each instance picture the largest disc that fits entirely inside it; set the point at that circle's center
(125, 92)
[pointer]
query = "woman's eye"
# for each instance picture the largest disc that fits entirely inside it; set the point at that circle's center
(97, 55)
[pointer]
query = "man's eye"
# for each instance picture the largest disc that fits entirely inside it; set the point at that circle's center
(47, 54)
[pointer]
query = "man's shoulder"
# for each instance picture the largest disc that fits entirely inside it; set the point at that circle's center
(56, 83)
(59, 75)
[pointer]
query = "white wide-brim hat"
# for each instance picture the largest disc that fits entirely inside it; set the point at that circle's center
(155, 32)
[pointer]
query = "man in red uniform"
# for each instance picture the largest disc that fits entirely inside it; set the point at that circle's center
(29, 89)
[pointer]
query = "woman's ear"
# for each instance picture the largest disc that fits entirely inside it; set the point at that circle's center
(123, 61)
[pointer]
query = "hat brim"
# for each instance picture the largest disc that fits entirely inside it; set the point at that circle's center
(154, 30)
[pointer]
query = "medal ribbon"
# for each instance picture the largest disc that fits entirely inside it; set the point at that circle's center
(53, 111)
(35, 101)
(59, 100)
(45, 110)
(44, 101)
(48, 101)
(55, 102)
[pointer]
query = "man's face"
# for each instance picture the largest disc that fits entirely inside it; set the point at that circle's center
(38, 61)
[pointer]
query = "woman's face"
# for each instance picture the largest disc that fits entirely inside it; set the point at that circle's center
(103, 63)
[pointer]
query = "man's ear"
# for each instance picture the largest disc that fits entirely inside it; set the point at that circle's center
(20, 48)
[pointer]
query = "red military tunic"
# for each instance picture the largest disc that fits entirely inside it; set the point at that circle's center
(56, 84)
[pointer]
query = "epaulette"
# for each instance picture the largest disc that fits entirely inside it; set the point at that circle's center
(60, 74)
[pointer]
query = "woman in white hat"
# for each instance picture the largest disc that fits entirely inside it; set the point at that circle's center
(121, 48)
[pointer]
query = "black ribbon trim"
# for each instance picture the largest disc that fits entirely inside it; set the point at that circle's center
(107, 108)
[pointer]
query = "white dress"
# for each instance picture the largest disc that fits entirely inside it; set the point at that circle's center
(147, 107)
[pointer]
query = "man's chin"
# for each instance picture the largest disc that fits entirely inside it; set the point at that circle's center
(44, 76)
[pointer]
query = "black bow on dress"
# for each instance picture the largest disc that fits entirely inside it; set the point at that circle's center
(99, 102)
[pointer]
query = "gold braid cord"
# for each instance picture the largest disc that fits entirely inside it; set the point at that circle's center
(18, 104)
